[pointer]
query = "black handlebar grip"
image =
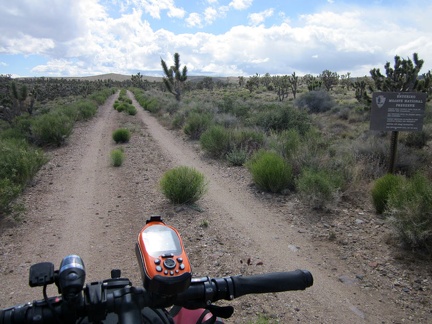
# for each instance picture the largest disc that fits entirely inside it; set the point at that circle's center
(272, 282)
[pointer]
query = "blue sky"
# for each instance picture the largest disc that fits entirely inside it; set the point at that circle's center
(213, 37)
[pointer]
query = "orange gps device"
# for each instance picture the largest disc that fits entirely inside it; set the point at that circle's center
(164, 265)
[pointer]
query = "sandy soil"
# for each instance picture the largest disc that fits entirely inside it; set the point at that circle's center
(78, 203)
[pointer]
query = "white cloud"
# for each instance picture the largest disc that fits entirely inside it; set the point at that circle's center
(155, 7)
(260, 17)
(25, 44)
(86, 40)
(194, 20)
(240, 4)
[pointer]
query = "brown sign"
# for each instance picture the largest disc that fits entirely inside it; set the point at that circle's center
(398, 111)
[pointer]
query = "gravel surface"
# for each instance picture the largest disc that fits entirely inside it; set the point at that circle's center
(78, 203)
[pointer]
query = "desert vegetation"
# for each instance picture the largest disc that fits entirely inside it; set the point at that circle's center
(36, 114)
(183, 185)
(309, 136)
(297, 135)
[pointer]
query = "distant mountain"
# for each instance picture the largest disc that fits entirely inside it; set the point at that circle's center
(123, 77)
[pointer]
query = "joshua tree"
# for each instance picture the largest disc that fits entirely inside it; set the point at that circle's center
(329, 79)
(294, 84)
(402, 77)
(174, 78)
(281, 85)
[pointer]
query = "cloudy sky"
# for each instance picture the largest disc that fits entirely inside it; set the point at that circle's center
(213, 37)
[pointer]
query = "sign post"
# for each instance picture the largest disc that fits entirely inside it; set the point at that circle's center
(397, 111)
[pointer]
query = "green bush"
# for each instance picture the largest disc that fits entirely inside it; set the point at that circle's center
(117, 157)
(270, 172)
(409, 210)
(382, 189)
(19, 162)
(52, 128)
(237, 157)
(319, 189)
(246, 139)
(315, 101)
(183, 185)
(417, 139)
(86, 109)
(279, 118)
(8, 192)
(121, 135)
(215, 141)
(102, 95)
(121, 106)
(68, 110)
(131, 110)
(196, 124)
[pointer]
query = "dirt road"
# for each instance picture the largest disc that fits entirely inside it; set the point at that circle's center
(80, 204)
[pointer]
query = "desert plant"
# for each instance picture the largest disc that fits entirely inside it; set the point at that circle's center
(117, 157)
(86, 109)
(174, 78)
(215, 141)
(315, 101)
(281, 117)
(270, 172)
(237, 156)
(183, 185)
(246, 139)
(121, 135)
(19, 162)
(52, 128)
(196, 124)
(329, 79)
(382, 189)
(131, 110)
(402, 77)
(409, 210)
(417, 139)
(318, 188)
(8, 192)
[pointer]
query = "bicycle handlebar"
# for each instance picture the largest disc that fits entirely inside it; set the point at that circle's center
(120, 297)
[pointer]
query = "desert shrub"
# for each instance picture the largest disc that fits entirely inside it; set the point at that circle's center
(315, 101)
(183, 185)
(237, 156)
(417, 139)
(19, 162)
(318, 188)
(226, 120)
(86, 109)
(249, 140)
(301, 151)
(215, 141)
(68, 110)
(102, 95)
(286, 143)
(117, 157)
(121, 106)
(409, 210)
(152, 105)
(12, 133)
(279, 118)
(196, 124)
(382, 189)
(8, 192)
(121, 135)
(270, 172)
(131, 110)
(52, 128)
